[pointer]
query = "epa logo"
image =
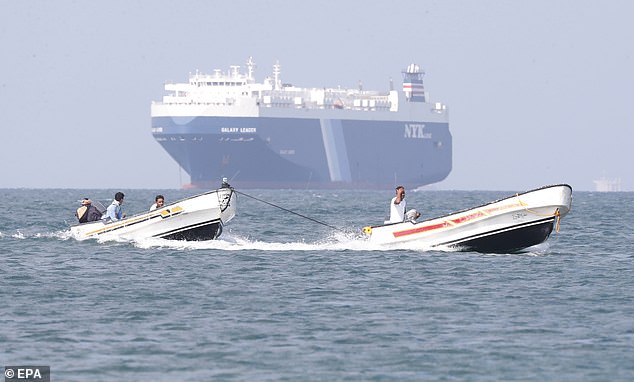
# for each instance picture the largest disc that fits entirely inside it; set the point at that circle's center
(27, 373)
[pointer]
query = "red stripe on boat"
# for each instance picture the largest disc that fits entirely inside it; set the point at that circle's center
(419, 229)
(463, 219)
(475, 215)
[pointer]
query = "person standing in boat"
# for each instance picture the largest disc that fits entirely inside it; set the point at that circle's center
(398, 208)
(87, 212)
(114, 209)
(159, 202)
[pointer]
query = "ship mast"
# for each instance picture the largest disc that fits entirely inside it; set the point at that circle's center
(277, 69)
(250, 69)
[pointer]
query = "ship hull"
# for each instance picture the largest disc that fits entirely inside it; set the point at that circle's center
(277, 152)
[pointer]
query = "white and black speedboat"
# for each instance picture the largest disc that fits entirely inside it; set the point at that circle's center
(200, 217)
(503, 226)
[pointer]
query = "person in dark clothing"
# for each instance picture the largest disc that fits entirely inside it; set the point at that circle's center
(87, 212)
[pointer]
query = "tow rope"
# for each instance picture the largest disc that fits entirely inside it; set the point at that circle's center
(287, 210)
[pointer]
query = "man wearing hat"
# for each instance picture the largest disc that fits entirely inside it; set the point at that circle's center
(87, 212)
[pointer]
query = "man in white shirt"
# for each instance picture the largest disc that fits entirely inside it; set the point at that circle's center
(398, 207)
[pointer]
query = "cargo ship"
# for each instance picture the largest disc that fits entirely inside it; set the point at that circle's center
(272, 134)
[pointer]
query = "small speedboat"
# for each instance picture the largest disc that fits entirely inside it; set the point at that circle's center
(504, 226)
(200, 217)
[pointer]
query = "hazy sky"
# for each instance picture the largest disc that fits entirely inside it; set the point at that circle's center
(539, 91)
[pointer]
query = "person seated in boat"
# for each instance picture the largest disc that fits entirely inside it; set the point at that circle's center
(87, 212)
(114, 211)
(398, 208)
(159, 202)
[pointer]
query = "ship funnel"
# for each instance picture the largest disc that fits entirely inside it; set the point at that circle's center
(413, 83)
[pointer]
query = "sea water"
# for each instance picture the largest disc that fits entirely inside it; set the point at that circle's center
(283, 297)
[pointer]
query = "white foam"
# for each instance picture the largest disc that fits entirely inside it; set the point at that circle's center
(539, 249)
(336, 242)
(18, 235)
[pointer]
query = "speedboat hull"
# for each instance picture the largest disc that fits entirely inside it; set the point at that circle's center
(199, 217)
(504, 226)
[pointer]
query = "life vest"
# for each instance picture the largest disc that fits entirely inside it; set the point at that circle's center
(81, 214)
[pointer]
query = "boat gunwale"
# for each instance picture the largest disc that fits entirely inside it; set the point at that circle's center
(476, 207)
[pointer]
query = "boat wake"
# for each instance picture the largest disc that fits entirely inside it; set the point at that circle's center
(231, 242)
(26, 234)
(337, 242)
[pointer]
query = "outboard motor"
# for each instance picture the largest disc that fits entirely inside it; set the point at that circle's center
(411, 215)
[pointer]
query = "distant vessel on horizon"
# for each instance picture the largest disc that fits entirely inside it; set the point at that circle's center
(271, 134)
(607, 185)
